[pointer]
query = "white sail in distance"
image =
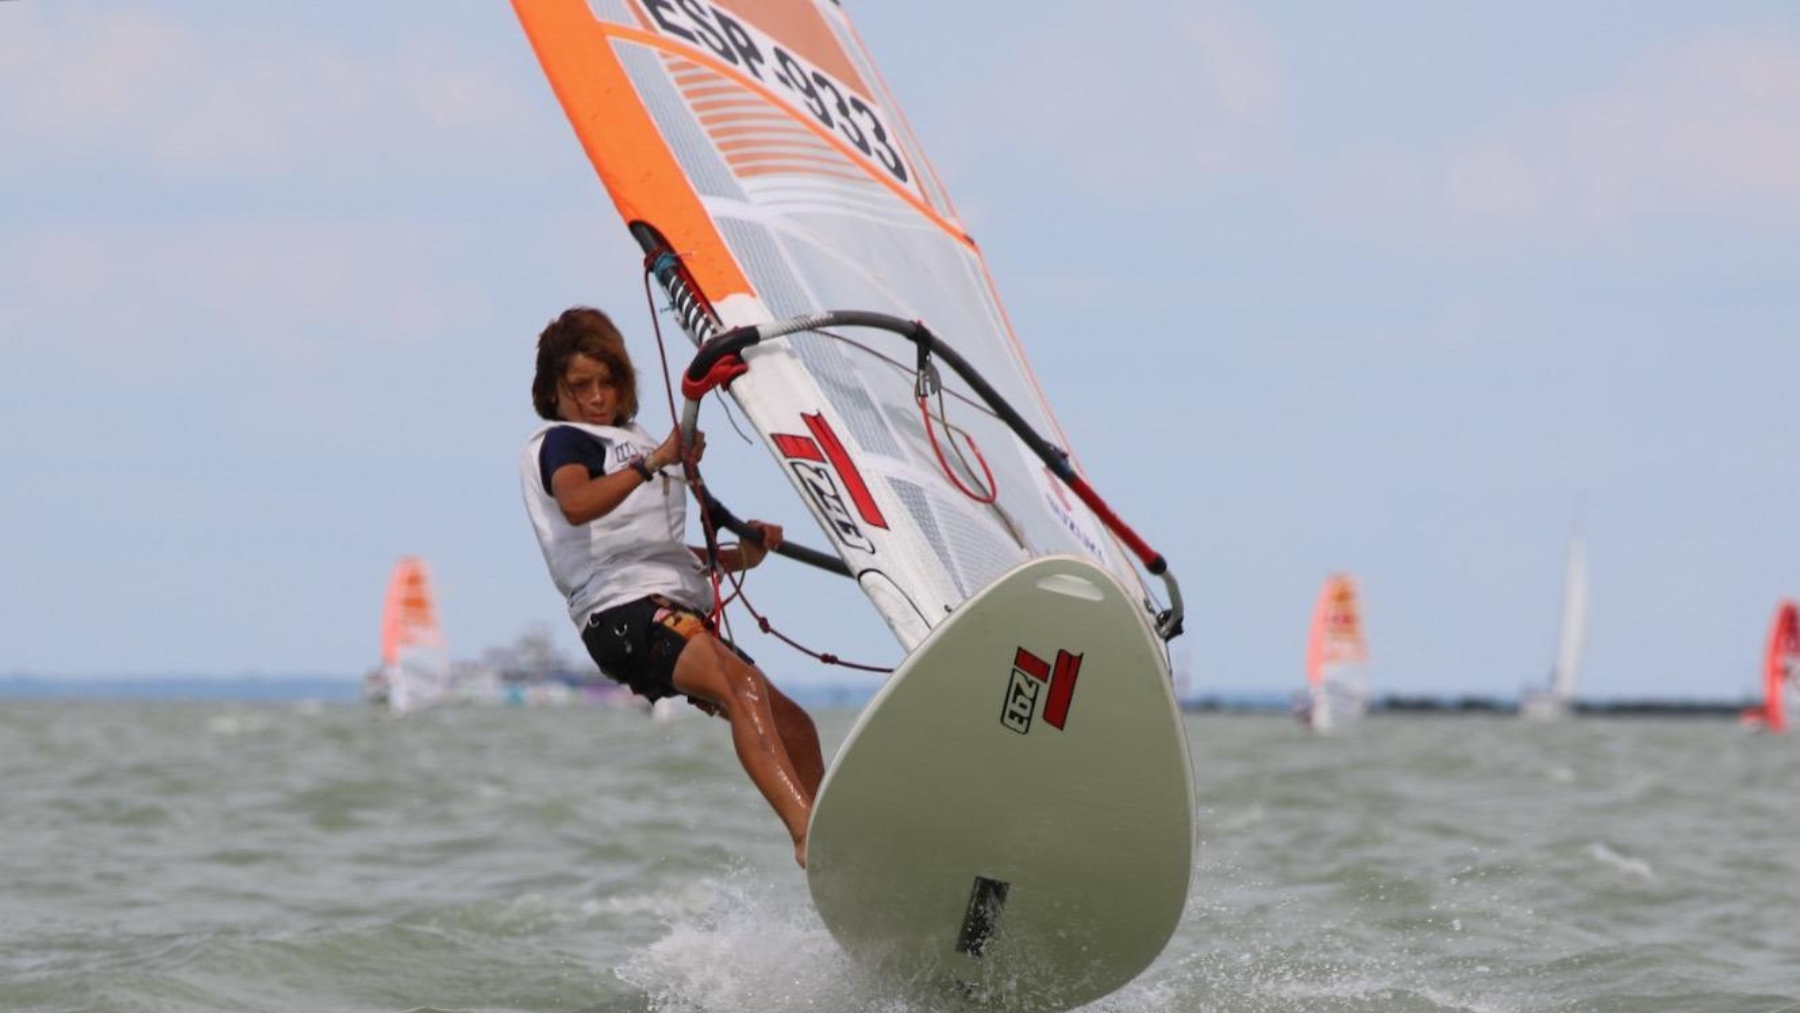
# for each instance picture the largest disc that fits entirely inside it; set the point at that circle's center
(1556, 699)
(1573, 635)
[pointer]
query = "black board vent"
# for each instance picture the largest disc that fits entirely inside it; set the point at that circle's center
(982, 918)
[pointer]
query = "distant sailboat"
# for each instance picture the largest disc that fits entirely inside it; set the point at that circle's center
(1337, 657)
(415, 667)
(1555, 701)
(416, 671)
(1781, 672)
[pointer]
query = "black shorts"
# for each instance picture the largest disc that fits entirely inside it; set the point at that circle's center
(639, 642)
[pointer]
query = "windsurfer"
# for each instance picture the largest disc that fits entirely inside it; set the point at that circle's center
(611, 523)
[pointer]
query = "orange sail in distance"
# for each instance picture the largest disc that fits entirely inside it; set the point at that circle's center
(1337, 655)
(414, 665)
(409, 619)
(1781, 671)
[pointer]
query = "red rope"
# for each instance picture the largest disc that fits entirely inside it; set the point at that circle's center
(992, 491)
(763, 623)
(661, 351)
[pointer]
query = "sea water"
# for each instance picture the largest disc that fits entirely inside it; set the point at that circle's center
(176, 857)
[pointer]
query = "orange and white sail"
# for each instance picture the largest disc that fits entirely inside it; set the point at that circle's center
(1337, 657)
(415, 668)
(1781, 671)
(754, 152)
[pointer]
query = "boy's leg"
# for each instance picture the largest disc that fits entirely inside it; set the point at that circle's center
(710, 670)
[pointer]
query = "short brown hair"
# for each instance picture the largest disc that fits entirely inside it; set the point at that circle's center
(582, 330)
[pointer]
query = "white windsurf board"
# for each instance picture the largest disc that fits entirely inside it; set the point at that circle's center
(1011, 818)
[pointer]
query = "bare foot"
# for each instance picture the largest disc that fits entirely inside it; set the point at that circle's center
(800, 852)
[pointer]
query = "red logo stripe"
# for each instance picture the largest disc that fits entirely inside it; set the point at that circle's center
(1062, 688)
(1031, 664)
(840, 460)
(798, 446)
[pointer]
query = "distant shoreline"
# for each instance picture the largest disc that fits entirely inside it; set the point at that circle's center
(1486, 706)
(275, 688)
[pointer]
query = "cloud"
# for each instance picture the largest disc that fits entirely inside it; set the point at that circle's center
(1705, 130)
(200, 103)
(1145, 103)
(151, 302)
(1708, 130)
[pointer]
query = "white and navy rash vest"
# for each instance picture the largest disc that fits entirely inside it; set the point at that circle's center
(634, 551)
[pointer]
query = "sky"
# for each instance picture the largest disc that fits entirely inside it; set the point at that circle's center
(1412, 290)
